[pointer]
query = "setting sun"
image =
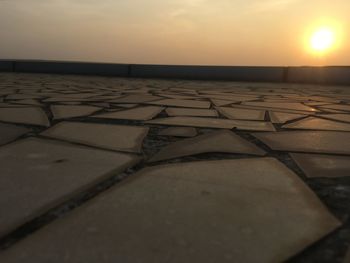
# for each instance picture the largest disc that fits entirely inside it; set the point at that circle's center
(322, 40)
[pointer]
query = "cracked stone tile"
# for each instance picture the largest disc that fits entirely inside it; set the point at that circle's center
(307, 141)
(312, 123)
(320, 165)
(9, 132)
(345, 107)
(68, 111)
(25, 115)
(242, 114)
(179, 132)
(182, 103)
(214, 123)
(337, 117)
(38, 174)
(27, 102)
(218, 102)
(282, 105)
(107, 136)
(283, 117)
(191, 112)
(240, 106)
(222, 141)
(136, 98)
(234, 210)
(126, 105)
(140, 113)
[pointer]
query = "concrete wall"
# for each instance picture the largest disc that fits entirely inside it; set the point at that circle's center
(6, 66)
(263, 74)
(79, 68)
(321, 75)
(312, 75)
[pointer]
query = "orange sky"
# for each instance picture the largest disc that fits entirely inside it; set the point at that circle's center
(220, 32)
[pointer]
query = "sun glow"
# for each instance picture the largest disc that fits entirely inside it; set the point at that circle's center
(322, 39)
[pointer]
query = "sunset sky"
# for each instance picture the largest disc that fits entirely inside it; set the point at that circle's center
(210, 32)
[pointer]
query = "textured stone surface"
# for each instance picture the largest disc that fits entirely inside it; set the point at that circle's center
(113, 137)
(67, 111)
(24, 115)
(215, 211)
(312, 123)
(179, 132)
(222, 141)
(37, 174)
(214, 123)
(9, 132)
(191, 112)
(139, 113)
(242, 114)
(307, 141)
(317, 165)
(283, 117)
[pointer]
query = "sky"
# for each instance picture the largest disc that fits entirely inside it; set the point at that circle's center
(189, 32)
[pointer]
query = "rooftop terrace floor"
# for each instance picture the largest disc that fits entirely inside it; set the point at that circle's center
(97, 169)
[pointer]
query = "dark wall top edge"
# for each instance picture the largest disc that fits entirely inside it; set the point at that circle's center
(337, 75)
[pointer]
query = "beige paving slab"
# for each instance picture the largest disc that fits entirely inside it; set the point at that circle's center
(126, 105)
(179, 132)
(242, 114)
(282, 105)
(222, 141)
(337, 117)
(283, 117)
(218, 102)
(307, 141)
(139, 113)
(246, 210)
(191, 112)
(70, 111)
(214, 123)
(112, 137)
(240, 106)
(182, 103)
(312, 123)
(321, 165)
(24, 115)
(136, 98)
(345, 107)
(9, 132)
(37, 174)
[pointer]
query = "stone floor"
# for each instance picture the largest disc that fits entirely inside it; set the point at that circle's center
(100, 169)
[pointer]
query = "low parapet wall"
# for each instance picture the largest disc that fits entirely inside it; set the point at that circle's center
(311, 75)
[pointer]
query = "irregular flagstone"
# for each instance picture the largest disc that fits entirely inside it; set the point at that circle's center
(337, 117)
(320, 165)
(282, 105)
(25, 115)
(38, 174)
(191, 112)
(240, 106)
(218, 102)
(140, 113)
(345, 107)
(283, 117)
(243, 114)
(246, 210)
(126, 105)
(214, 123)
(136, 98)
(70, 111)
(27, 102)
(312, 123)
(307, 141)
(222, 141)
(182, 103)
(179, 132)
(10, 132)
(112, 137)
